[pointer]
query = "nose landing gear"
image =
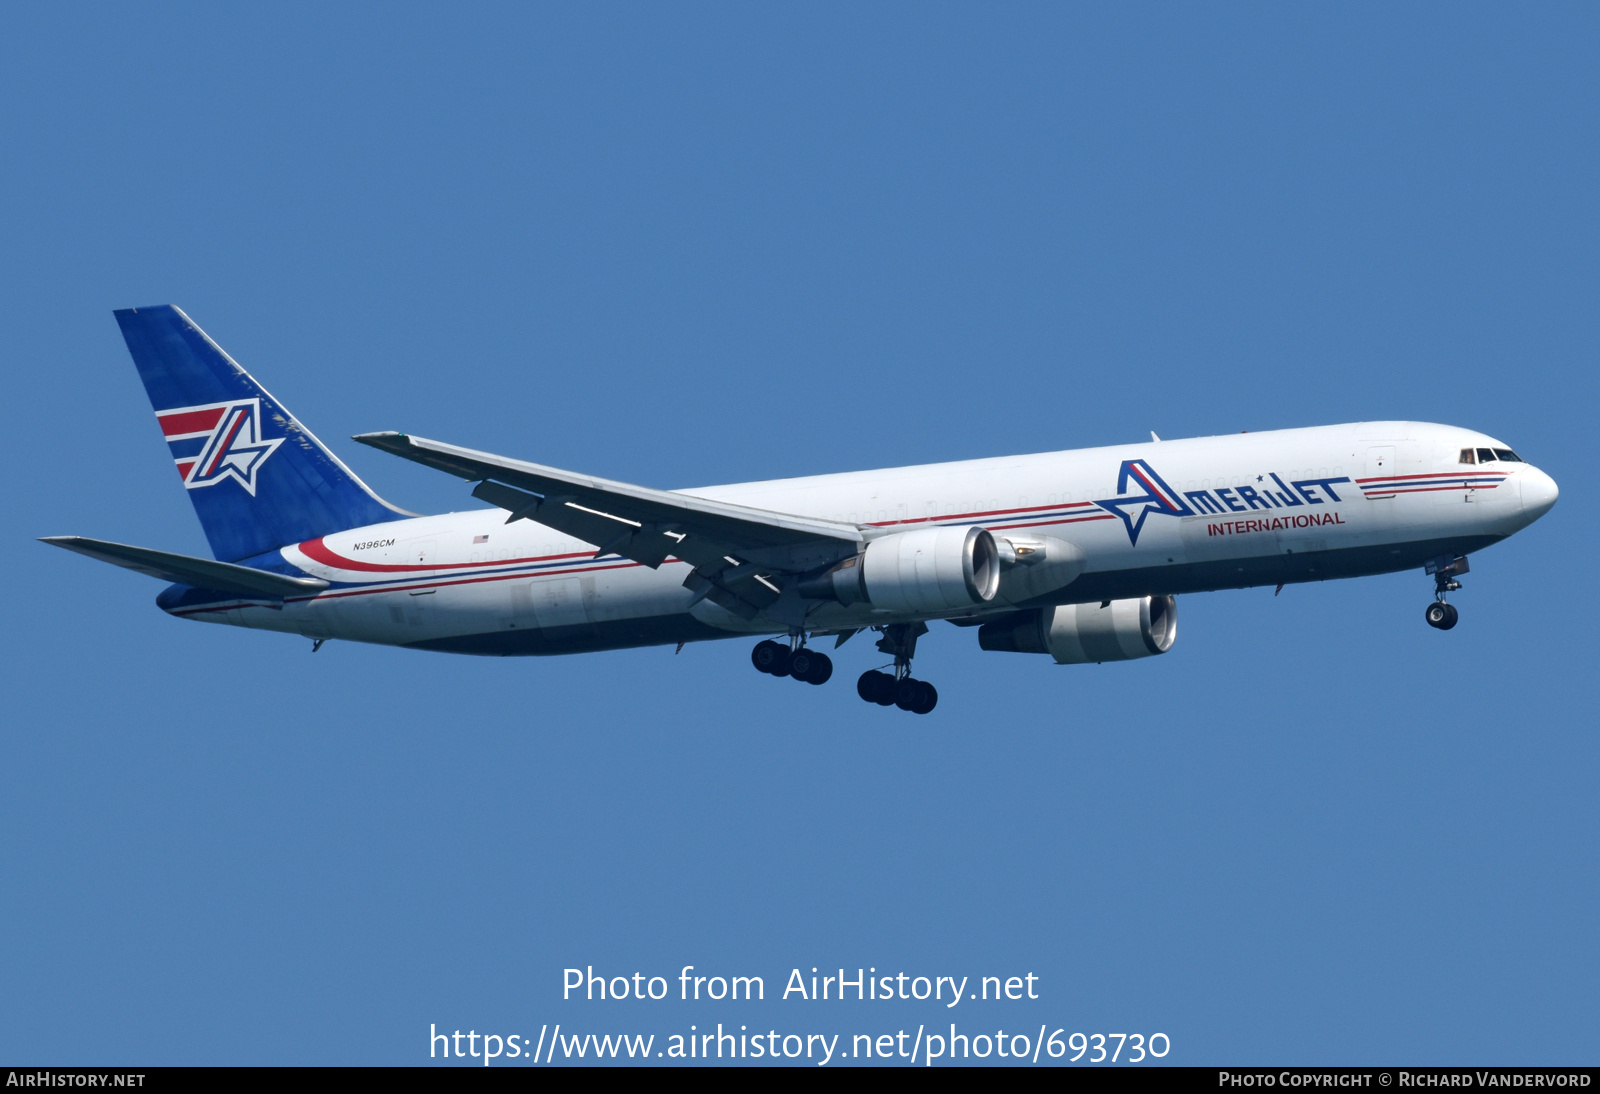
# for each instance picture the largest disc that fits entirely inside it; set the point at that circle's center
(1440, 615)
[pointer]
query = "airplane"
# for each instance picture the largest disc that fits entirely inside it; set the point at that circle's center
(1078, 555)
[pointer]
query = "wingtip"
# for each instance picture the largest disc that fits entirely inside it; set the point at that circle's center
(381, 439)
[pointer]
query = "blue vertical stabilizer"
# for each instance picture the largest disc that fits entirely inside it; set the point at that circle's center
(259, 479)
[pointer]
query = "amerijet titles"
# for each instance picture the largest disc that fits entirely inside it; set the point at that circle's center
(1272, 524)
(1162, 499)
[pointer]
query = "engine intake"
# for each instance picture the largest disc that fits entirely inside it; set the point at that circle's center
(1077, 634)
(925, 572)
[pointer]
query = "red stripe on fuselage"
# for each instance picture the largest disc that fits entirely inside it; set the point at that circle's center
(1068, 520)
(524, 576)
(1430, 489)
(318, 550)
(982, 513)
(1438, 475)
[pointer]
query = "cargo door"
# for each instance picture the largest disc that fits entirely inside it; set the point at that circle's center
(558, 602)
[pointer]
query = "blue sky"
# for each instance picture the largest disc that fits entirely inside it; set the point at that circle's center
(717, 243)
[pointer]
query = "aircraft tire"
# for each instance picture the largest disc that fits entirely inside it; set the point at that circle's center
(1442, 616)
(874, 686)
(821, 669)
(927, 698)
(908, 693)
(767, 655)
(810, 666)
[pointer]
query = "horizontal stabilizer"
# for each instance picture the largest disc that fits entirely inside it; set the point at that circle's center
(201, 573)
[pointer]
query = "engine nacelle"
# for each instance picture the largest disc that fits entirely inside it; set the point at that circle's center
(1076, 634)
(925, 572)
(1035, 565)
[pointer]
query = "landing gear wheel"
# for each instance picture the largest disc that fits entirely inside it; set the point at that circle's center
(1442, 616)
(908, 693)
(927, 698)
(800, 664)
(810, 666)
(876, 687)
(823, 670)
(768, 655)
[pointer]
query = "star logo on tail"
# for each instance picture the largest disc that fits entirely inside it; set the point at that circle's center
(1158, 497)
(233, 447)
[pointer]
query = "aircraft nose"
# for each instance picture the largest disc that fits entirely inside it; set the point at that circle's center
(1539, 492)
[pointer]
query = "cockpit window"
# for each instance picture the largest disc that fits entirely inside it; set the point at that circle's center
(1466, 456)
(1507, 455)
(1485, 455)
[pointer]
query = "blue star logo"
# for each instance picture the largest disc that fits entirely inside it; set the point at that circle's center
(1158, 497)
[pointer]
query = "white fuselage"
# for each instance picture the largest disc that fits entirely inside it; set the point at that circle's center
(1245, 509)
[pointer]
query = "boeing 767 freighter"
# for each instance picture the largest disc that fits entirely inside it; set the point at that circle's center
(1075, 555)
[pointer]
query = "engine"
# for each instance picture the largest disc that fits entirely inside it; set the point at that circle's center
(1076, 634)
(925, 572)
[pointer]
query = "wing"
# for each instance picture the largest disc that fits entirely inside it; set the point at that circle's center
(744, 558)
(203, 573)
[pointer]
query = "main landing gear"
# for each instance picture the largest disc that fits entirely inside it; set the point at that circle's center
(900, 689)
(1441, 615)
(897, 689)
(807, 665)
(917, 696)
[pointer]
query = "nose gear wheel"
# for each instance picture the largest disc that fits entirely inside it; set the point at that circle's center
(1445, 570)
